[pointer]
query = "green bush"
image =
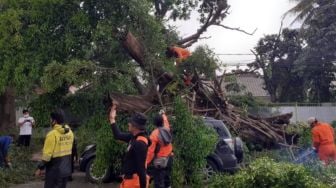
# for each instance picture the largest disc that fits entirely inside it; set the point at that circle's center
(193, 142)
(266, 173)
(281, 155)
(109, 150)
(303, 131)
(326, 174)
(87, 133)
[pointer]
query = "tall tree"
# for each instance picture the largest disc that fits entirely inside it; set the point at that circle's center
(33, 34)
(318, 58)
(303, 10)
(276, 56)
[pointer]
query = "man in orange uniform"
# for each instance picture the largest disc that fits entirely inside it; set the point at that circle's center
(134, 165)
(180, 54)
(160, 152)
(323, 140)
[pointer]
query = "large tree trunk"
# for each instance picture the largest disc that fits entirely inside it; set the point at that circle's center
(134, 103)
(7, 110)
(134, 48)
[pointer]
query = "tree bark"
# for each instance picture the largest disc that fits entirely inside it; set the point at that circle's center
(7, 110)
(134, 103)
(134, 48)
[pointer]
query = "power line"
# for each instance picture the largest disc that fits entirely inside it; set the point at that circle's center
(236, 64)
(247, 61)
(235, 54)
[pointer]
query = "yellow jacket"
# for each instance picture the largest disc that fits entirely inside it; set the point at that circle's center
(58, 143)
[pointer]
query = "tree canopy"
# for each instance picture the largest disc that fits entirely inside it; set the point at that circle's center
(36, 35)
(276, 56)
(300, 65)
(318, 57)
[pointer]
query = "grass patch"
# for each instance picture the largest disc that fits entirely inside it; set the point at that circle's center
(22, 167)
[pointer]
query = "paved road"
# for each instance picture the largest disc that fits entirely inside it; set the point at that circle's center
(79, 181)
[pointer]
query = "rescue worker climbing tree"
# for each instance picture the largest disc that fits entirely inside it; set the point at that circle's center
(57, 149)
(180, 54)
(160, 152)
(134, 165)
(323, 140)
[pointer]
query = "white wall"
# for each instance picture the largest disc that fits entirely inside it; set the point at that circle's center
(302, 113)
(326, 113)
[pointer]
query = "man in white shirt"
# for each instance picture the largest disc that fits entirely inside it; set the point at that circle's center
(26, 124)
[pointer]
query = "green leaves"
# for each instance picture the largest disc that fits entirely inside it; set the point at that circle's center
(10, 44)
(277, 56)
(319, 56)
(326, 174)
(193, 142)
(266, 173)
(109, 150)
(202, 61)
(74, 72)
(35, 33)
(304, 132)
(311, 56)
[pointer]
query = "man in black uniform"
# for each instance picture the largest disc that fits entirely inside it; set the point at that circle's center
(134, 165)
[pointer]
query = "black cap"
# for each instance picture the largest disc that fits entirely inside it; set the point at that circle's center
(138, 120)
(58, 116)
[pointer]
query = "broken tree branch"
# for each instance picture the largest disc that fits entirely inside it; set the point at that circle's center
(209, 37)
(213, 18)
(237, 29)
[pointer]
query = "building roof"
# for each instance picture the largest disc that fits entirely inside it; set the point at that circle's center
(252, 83)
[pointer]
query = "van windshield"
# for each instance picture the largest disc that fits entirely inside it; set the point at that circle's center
(219, 126)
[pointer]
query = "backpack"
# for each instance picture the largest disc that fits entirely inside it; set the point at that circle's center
(165, 136)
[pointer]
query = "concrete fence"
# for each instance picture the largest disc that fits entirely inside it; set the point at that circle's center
(325, 112)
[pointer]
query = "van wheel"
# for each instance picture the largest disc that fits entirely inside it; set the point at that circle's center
(105, 177)
(210, 170)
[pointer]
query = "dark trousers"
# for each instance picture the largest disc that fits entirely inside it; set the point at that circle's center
(55, 182)
(162, 176)
(24, 140)
(2, 160)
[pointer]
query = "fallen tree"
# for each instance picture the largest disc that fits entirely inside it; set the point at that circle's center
(204, 99)
(116, 31)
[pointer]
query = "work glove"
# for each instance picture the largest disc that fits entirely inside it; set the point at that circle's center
(162, 111)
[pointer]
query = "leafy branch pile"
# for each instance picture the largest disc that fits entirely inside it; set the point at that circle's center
(265, 172)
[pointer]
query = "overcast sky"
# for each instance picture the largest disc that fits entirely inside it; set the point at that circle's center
(265, 15)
